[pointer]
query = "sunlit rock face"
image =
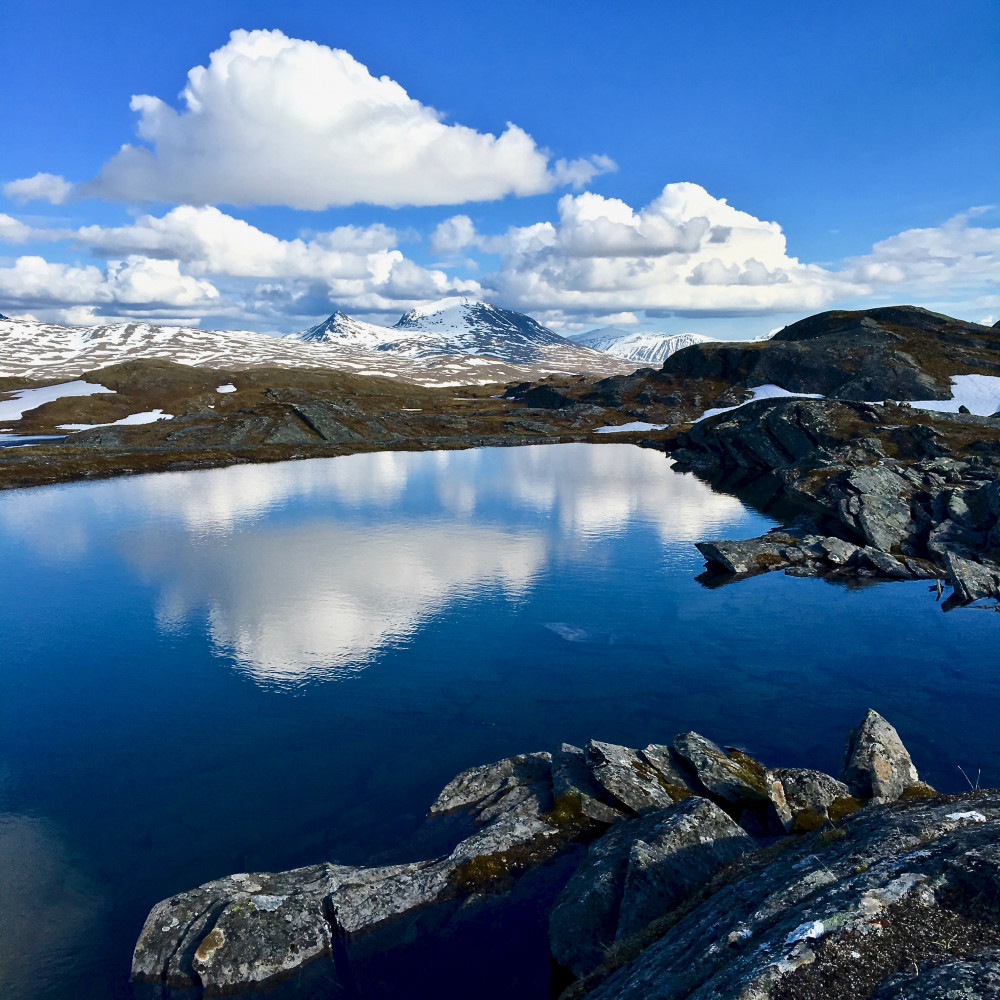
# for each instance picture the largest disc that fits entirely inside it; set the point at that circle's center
(304, 571)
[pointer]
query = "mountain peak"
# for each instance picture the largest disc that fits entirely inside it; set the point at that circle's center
(448, 304)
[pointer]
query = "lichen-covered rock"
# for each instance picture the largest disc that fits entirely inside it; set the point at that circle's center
(636, 872)
(675, 852)
(808, 796)
(732, 778)
(573, 780)
(246, 931)
(876, 764)
(972, 580)
(238, 932)
(669, 769)
(905, 890)
(627, 777)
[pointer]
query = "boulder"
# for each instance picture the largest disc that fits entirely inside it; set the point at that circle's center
(584, 921)
(972, 580)
(637, 872)
(876, 764)
(732, 778)
(675, 852)
(627, 777)
(574, 787)
(808, 797)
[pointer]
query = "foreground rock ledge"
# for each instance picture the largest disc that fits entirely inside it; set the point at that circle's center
(678, 870)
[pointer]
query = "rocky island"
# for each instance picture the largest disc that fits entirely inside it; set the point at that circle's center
(676, 870)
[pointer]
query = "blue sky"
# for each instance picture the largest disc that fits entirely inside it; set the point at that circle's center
(721, 167)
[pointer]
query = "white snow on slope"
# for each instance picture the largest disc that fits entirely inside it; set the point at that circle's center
(146, 417)
(980, 393)
(635, 425)
(28, 399)
(760, 392)
(464, 327)
(33, 350)
(643, 347)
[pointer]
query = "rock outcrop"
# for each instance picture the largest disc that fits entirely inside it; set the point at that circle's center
(655, 873)
(879, 494)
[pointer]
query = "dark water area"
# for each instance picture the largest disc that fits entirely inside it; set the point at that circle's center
(255, 668)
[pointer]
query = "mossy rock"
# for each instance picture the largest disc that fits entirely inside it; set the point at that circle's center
(807, 820)
(843, 806)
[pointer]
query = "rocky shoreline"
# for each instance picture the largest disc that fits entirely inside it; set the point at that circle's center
(672, 870)
(886, 491)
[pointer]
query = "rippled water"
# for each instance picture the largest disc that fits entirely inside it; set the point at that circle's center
(265, 666)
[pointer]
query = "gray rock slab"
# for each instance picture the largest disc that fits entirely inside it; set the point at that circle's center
(238, 932)
(572, 778)
(623, 773)
(876, 764)
(888, 884)
(972, 580)
(732, 781)
(674, 853)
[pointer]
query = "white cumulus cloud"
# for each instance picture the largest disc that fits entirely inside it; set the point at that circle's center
(138, 283)
(42, 187)
(956, 254)
(686, 251)
(278, 120)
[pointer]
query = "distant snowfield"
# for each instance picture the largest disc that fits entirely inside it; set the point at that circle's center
(435, 351)
(28, 399)
(147, 417)
(635, 425)
(980, 393)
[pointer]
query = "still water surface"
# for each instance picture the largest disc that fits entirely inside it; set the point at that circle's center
(262, 667)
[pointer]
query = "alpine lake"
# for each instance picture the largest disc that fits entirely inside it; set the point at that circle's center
(261, 667)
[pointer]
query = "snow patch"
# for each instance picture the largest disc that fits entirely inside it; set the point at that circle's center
(147, 417)
(226, 388)
(980, 393)
(810, 929)
(973, 816)
(762, 392)
(635, 425)
(29, 399)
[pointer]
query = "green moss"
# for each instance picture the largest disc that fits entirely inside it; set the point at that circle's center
(843, 806)
(493, 872)
(807, 820)
(830, 836)
(750, 770)
(567, 810)
(767, 559)
(921, 790)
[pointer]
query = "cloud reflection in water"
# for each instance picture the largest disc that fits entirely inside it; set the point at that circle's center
(305, 570)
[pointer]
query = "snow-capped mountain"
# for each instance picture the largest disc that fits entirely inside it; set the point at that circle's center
(33, 350)
(642, 347)
(461, 326)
